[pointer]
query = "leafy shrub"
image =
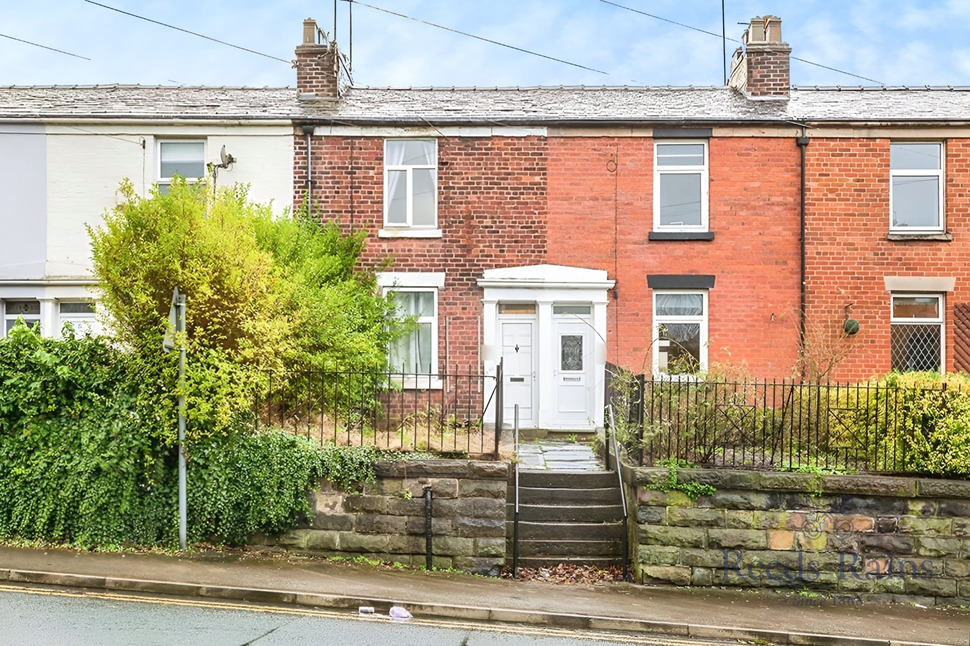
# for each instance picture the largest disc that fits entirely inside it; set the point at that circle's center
(81, 466)
(917, 421)
(709, 422)
(264, 296)
(77, 463)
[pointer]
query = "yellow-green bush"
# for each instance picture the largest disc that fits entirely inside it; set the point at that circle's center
(916, 422)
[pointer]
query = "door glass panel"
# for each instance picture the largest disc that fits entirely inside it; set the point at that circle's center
(77, 308)
(516, 308)
(579, 310)
(571, 352)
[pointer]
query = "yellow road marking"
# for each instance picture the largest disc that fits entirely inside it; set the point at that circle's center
(517, 629)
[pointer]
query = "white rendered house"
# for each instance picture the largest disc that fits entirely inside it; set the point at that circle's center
(64, 152)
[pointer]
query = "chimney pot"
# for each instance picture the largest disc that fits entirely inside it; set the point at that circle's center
(756, 30)
(309, 31)
(772, 28)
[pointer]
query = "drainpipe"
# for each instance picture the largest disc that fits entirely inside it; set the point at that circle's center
(802, 142)
(308, 133)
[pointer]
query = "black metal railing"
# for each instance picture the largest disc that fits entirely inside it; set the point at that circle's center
(439, 413)
(782, 425)
(613, 445)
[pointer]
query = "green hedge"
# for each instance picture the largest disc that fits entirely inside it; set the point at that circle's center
(932, 422)
(81, 464)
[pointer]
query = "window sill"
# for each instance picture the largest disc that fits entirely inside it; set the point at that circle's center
(920, 237)
(418, 382)
(681, 235)
(409, 233)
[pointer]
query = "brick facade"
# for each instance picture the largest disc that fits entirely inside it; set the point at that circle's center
(601, 213)
(849, 252)
(546, 191)
(491, 212)
(587, 202)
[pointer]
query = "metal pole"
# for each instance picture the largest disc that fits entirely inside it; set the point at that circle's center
(723, 44)
(428, 556)
(515, 517)
(180, 327)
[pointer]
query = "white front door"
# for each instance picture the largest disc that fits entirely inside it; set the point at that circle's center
(573, 374)
(518, 339)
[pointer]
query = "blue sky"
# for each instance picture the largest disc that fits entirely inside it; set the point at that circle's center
(896, 42)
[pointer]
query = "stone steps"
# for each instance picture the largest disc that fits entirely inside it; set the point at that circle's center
(567, 517)
(602, 513)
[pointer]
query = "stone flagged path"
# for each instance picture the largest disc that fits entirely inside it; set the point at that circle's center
(558, 455)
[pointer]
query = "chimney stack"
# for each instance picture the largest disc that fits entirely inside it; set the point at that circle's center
(317, 71)
(761, 69)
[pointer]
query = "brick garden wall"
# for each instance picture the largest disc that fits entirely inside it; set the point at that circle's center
(386, 520)
(878, 538)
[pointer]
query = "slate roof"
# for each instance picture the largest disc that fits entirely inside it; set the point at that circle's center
(490, 106)
(652, 105)
(141, 102)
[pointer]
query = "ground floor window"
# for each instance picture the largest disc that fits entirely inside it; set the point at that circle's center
(13, 311)
(680, 331)
(417, 351)
(916, 338)
(80, 314)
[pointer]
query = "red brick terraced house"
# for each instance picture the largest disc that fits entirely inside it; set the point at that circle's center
(660, 229)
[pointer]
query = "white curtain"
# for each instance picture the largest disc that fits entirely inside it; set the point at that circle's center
(680, 305)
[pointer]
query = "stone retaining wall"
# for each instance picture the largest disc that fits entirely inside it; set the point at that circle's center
(871, 537)
(386, 520)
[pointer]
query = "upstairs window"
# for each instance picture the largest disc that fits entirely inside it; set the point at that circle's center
(680, 332)
(916, 332)
(183, 158)
(916, 197)
(680, 186)
(410, 183)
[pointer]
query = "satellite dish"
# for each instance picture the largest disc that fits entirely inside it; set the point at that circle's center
(226, 158)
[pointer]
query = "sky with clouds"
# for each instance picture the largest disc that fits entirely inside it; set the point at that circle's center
(892, 42)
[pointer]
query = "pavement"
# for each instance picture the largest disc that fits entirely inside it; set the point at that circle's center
(282, 580)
